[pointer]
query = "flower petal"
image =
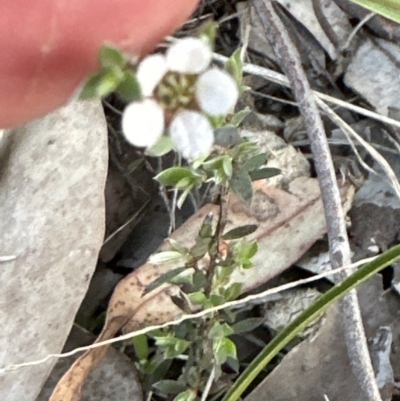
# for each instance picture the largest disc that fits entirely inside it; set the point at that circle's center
(143, 123)
(216, 92)
(192, 134)
(150, 72)
(189, 56)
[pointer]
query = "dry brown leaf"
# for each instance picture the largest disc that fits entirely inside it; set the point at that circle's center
(289, 223)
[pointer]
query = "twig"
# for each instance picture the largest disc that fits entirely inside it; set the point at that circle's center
(339, 246)
(280, 79)
(347, 130)
(230, 304)
(208, 385)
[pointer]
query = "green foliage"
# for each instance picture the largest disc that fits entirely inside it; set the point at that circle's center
(306, 317)
(387, 8)
(240, 232)
(165, 278)
(113, 75)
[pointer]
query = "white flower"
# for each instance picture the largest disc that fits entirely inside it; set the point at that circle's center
(189, 56)
(216, 92)
(143, 123)
(150, 72)
(191, 133)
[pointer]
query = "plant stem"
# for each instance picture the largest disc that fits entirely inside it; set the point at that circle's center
(338, 241)
(221, 223)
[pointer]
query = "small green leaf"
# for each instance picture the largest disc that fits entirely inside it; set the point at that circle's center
(199, 280)
(254, 162)
(264, 173)
(238, 117)
(197, 298)
(208, 32)
(388, 8)
(129, 88)
(247, 325)
(232, 292)
(176, 246)
(161, 147)
(166, 256)
(234, 66)
(110, 56)
(241, 186)
(183, 196)
(219, 330)
(216, 300)
(173, 175)
(240, 232)
(141, 346)
(169, 387)
(101, 84)
(227, 136)
(188, 395)
(246, 253)
(164, 278)
(224, 348)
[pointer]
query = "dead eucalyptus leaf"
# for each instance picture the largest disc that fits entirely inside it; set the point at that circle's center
(288, 224)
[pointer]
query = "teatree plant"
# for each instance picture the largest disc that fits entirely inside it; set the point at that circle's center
(179, 101)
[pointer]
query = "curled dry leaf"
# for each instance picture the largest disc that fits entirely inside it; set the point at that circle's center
(289, 223)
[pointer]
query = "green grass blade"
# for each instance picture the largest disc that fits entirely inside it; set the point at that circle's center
(294, 328)
(388, 8)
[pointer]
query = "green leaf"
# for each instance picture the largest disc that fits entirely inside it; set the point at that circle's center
(264, 173)
(232, 292)
(169, 387)
(238, 117)
(254, 162)
(219, 330)
(129, 88)
(227, 136)
(216, 300)
(166, 256)
(224, 348)
(188, 395)
(164, 278)
(234, 66)
(306, 317)
(101, 84)
(247, 325)
(208, 32)
(161, 147)
(241, 186)
(141, 346)
(388, 8)
(247, 251)
(197, 298)
(110, 56)
(240, 232)
(183, 196)
(173, 175)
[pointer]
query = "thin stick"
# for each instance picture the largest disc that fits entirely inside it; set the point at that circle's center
(347, 130)
(209, 383)
(205, 312)
(339, 246)
(280, 79)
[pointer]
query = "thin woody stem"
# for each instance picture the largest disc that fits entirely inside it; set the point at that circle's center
(338, 241)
